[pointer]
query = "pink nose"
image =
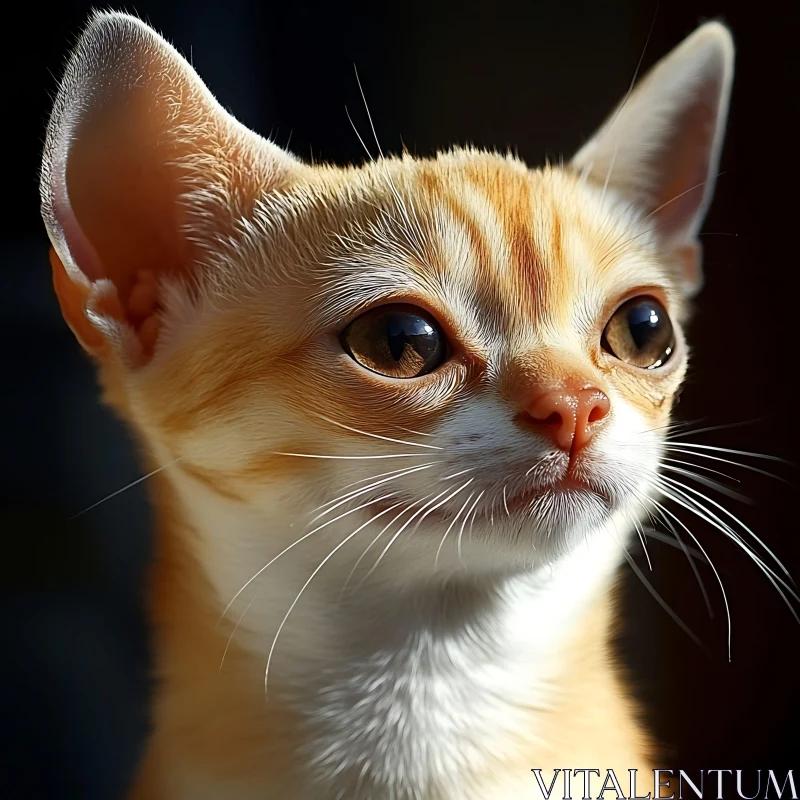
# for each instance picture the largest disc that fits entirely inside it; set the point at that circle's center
(568, 417)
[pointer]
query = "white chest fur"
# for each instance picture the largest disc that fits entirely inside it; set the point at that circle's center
(403, 694)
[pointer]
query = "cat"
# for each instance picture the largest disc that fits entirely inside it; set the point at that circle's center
(401, 421)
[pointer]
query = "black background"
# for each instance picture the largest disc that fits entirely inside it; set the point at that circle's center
(538, 76)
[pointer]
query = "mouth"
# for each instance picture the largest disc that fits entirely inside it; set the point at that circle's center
(570, 489)
(567, 492)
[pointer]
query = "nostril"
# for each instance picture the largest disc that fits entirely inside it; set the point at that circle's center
(596, 414)
(567, 417)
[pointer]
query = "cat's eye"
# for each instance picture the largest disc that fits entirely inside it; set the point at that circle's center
(640, 333)
(398, 341)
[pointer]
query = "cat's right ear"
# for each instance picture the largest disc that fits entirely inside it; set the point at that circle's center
(660, 148)
(142, 172)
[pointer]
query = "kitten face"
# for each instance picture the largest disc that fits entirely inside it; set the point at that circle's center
(519, 271)
(461, 358)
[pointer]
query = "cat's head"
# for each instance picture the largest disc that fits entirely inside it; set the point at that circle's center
(460, 356)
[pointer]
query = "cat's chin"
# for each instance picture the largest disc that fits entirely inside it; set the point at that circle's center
(566, 494)
(531, 526)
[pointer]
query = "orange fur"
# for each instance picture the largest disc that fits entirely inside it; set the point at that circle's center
(212, 276)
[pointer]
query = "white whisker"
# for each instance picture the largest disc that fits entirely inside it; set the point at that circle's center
(298, 541)
(699, 510)
(400, 530)
(682, 487)
(300, 594)
(710, 483)
(450, 526)
(464, 522)
(355, 129)
(372, 478)
(457, 474)
(376, 435)
(349, 458)
(741, 465)
(711, 564)
(126, 487)
(369, 546)
(340, 501)
(655, 594)
(751, 454)
(439, 505)
(701, 467)
(687, 551)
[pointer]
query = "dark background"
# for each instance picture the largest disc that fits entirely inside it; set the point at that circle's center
(535, 75)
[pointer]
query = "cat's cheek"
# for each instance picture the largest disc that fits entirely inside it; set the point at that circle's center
(353, 395)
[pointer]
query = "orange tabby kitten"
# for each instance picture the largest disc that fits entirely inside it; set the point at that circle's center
(404, 416)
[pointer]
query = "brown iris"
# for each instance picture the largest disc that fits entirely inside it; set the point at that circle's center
(398, 341)
(640, 333)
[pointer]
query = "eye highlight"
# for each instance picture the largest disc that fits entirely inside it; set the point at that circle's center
(398, 341)
(640, 333)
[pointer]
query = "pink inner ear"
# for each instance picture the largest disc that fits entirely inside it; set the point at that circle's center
(684, 167)
(133, 131)
(124, 192)
(75, 250)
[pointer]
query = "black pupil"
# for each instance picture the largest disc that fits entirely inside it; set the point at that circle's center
(644, 321)
(404, 329)
(398, 341)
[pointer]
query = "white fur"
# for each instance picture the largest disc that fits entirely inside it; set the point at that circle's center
(377, 680)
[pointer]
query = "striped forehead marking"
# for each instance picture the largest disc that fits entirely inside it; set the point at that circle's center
(527, 247)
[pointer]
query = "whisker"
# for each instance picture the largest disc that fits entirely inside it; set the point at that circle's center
(700, 466)
(749, 467)
(673, 426)
(699, 510)
(371, 478)
(687, 551)
(663, 603)
(369, 546)
(400, 530)
(125, 488)
(711, 484)
(627, 97)
(416, 433)
(639, 531)
(300, 594)
(456, 474)
(376, 435)
(684, 488)
(440, 504)
(726, 426)
(464, 522)
(652, 590)
(671, 541)
(366, 108)
(349, 458)
(355, 129)
(695, 446)
(340, 501)
(298, 541)
(690, 189)
(236, 627)
(412, 230)
(450, 527)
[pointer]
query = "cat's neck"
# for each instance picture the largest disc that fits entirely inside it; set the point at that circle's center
(461, 661)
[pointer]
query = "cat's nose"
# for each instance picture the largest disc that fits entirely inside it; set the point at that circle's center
(569, 416)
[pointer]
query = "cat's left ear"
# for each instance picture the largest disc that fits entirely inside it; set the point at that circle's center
(660, 148)
(144, 175)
